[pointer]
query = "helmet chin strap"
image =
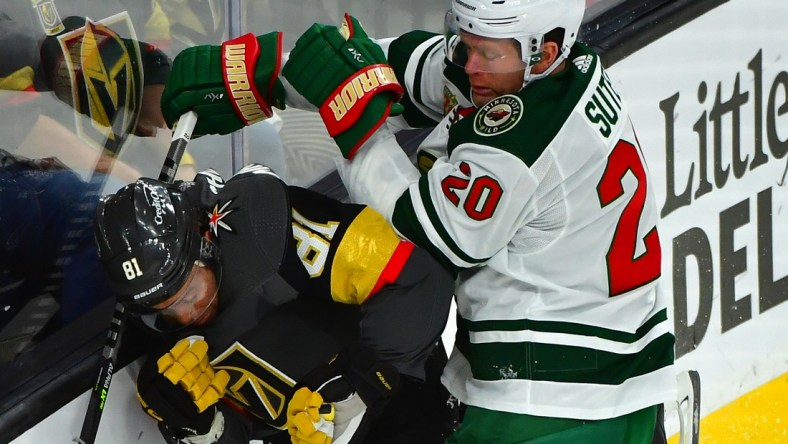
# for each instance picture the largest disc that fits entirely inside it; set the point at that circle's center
(528, 78)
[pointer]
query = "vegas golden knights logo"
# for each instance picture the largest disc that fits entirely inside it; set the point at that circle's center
(258, 386)
(102, 73)
(48, 16)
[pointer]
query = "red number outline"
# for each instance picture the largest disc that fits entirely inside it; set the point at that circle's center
(476, 193)
(625, 271)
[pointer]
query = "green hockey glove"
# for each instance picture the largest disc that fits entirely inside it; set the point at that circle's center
(343, 73)
(228, 86)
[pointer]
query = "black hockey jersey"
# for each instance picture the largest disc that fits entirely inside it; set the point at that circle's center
(302, 276)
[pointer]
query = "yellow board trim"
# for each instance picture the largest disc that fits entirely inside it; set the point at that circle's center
(760, 416)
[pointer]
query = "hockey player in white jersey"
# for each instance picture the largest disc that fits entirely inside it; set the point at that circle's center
(539, 199)
(533, 190)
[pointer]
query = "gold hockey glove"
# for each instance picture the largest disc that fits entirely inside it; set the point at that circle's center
(309, 419)
(180, 389)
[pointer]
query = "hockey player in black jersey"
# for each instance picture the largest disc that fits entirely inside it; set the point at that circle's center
(282, 310)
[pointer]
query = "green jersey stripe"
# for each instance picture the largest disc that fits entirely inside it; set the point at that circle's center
(399, 53)
(563, 363)
(407, 223)
(437, 223)
(420, 68)
(567, 327)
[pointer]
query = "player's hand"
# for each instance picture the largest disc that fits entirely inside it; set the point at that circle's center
(337, 398)
(309, 419)
(228, 86)
(180, 387)
(187, 365)
(345, 75)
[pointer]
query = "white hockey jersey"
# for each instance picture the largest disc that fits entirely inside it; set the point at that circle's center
(541, 203)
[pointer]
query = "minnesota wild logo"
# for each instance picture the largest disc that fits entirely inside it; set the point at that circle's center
(498, 116)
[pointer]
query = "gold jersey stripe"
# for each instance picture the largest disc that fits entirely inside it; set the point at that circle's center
(365, 251)
(756, 417)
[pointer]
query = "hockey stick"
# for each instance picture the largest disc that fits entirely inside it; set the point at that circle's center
(687, 406)
(180, 138)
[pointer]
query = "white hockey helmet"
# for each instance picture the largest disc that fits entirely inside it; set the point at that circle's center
(526, 21)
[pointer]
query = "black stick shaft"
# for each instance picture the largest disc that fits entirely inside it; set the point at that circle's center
(180, 138)
(98, 395)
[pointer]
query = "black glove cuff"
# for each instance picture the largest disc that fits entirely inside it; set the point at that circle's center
(374, 381)
(354, 369)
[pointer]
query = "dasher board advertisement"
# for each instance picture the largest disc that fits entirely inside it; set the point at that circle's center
(709, 102)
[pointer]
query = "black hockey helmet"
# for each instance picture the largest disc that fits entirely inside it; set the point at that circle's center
(149, 237)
